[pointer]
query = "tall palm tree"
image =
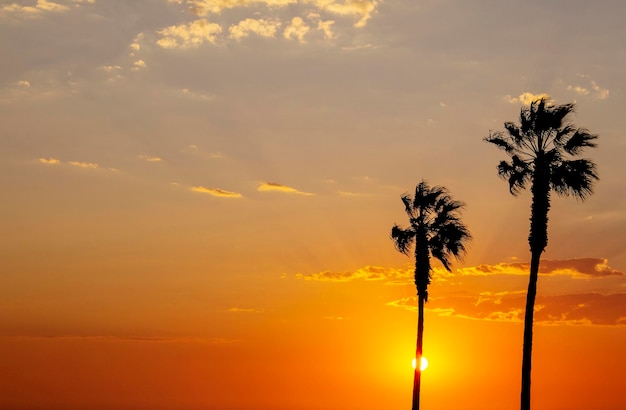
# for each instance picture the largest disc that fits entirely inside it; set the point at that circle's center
(435, 230)
(542, 148)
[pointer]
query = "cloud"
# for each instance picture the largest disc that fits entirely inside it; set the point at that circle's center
(79, 164)
(260, 27)
(591, 308)
(296, 29)
(600, 93)
(574, 268)
(366, 273)
(361, 9)
(148, 158)
(349, 194)
(189, 35)
(578, 89)
(206, 7)
(274, 187)
(244, 310)
(220, 193)
(40, 7)
(578, 268)
(264, 19)
(324, 26)
(51, 161)
(139, 65)
(526, 98)
(592, 89)
(197, 96)
(563, 298)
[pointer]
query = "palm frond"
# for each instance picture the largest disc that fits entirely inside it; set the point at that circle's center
(580, 140)
(515, 134)
(408, 208)
(574, 177)
(402, 238)
(562, 134)
(498, 139)
(517, 173)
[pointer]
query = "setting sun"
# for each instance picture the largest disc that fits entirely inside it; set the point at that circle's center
(423, 365)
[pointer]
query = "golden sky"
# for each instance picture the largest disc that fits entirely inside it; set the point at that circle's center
(197, 197)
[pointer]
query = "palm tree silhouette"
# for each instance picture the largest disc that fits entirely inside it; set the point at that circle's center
(541, 148)
(435, 230)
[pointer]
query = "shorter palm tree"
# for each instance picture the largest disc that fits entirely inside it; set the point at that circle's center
(435, 230)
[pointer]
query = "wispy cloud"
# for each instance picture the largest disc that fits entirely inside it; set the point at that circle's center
(76, 164)
(149, 158)
(220, 193)
(590, 88)
(50, 161)
(244, 310)
(526, 98)
(366, 273)
(80, 164)
(274, 187)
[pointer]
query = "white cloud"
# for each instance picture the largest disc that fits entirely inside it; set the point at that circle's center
(50, 161)
(39, 8)
(139, 65)
(206, 7)
(578, 89)
(525, 98)
(600, 93)
(362, 9)
(297, 29)
(79, 164)
(325, 27)
(592, 88)
(189, 35)
(261, 27)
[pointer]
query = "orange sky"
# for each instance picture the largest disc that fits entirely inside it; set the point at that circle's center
(197, 197)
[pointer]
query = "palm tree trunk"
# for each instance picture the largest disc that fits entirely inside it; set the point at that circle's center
(418, 353)
(538, 240)
(528, 330)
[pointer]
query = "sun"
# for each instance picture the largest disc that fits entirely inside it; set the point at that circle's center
(423, 364)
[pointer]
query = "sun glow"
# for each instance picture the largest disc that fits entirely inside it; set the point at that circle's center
(423, 363)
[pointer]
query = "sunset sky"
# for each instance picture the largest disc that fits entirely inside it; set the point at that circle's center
(197, 197)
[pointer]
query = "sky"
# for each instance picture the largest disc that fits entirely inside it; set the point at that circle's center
(197, 198)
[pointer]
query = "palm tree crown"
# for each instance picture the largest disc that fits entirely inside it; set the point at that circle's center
(542, 147)
(435, 230)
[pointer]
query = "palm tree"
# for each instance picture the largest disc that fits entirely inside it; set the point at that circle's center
(435, 230)
(542, 147)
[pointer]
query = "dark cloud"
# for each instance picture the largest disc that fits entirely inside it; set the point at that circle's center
(574, 309)
(573, 267)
